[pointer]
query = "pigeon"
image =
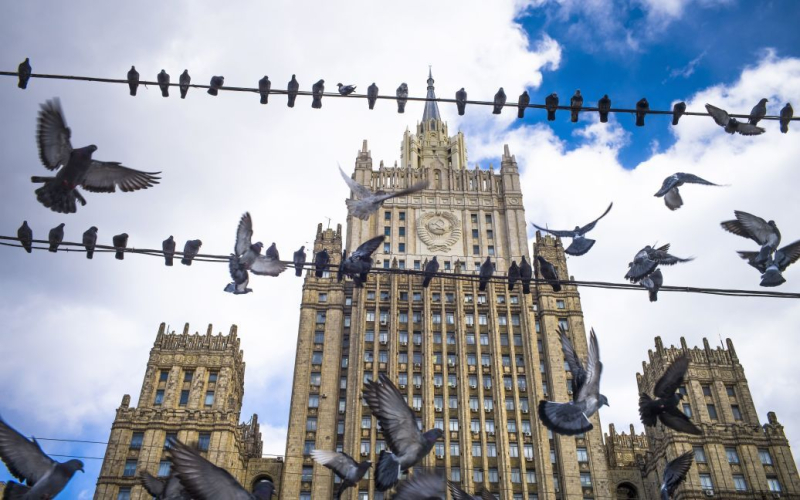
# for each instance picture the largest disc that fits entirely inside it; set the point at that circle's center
(513, 275)
(316, 93)
(732, 125)
(669, 188)
(89, 241)
(372, 95)
(675, 474)
(459, 494)
(190, 251)
(786, 116)
(642, 107)
(525, 273)
(55, 237)
(648, 259)
(340, 271)
(431, 268)
(168, 247)
(773, 268)
(548, 272)
(358, 264)
(367, 202)
(667, 397)
(402, 97)
(292, 88)
(25, 236)
(163, 83)
(421, 486)
(572, 418)
(486, 272)
(184, 82)
(575, 104)
(120, 242)
(346, 89)
(398, 423)
(603, 107)
(59, 192)
(263, 89)
(343, 465)
(677, 111)
(551, 104)
(250, 253)
(205, 481)
(163, 489)
(321, 262)
(757, 229)
(580, 244)
(240, 276)
(215, 84)
(653, 282)
(24, 73)
(499, 101)
(25, 460)
(299, 261)
(133, 80)
(461, 101)
(758, 112)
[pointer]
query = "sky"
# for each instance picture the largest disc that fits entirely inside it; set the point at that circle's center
(76, 333)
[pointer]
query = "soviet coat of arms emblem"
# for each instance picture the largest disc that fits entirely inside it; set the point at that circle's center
(438, 230)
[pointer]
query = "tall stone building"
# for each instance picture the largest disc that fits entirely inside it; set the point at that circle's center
(192, 390)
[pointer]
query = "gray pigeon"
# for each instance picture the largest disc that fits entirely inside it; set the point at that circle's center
(551, 104)
(321, 261)
(215, 84)
(525, 274)
(459, 494)
(675, 474)
(250, 253)
(772, 269)
(758, 112)
(677, 111)
(513, 275)
(757, 229)
(340, 271)
(575, 104)
(25, 460)
(316, 93)
(292, 88)
(421, 486)
(120, 243)
(522, 104)
(402, 97)
(485, 273)
(263, 89)
(133, 80)
(205, 481)
(648, 259)
(787, 113)
(25, 235)
(168, 247)
(732, 125)
(367, 202)
(461, 101)
(346, 89)
(163, 83)
(669, 188)
(59, 192)
(398, 423)
(603, 107)
(572, 418)
(372, 95)
(190, 251)
(499, 101)
(358, 264)
(184, 82)
(642, 107)
(24, 73)
(299, 261)
(163, 489)
(343, 465)
(548, 272)
(240, 276)
(653, 282)
(90, 241)
(431, 268)
(580, 244)
(55, 237)
(667, 397)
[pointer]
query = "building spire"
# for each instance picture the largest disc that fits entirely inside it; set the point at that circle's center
(431, 107)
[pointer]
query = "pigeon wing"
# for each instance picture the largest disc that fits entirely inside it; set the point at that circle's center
(588, 227)
(365, 250)
(341, 464)
(359, 191)
(719, 115)
(153, 485)
(672, 378)
(267, 266)
(202, 479)
(554, 232)
(676, 471)
(675, 419)
(403, 192)
(594, 368)
(756, 227)
(420, 486)
(749, 129)
(397, 421)
(693, 179)
(579, 374)
(457, 493)
(52, 135)
(564, 418)
(487, 495)
(107, 176)
(787, 255)
(25, 459)
(751, 257)
(244, 234)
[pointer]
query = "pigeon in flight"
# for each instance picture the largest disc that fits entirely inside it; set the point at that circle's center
(459, 494)
(421, 486)
(24, 73)
(461, 101)
(163, 489)
(551, 104)
(163, 83)
(648, 259)
(299, 261)
(249, 253)
(317, 90)
(366, 202)
(190, 251)
(133, 80)
(787, 113)
(653, 282)
(758, 112)
(59, 192)
(55, 237)
(642, 107)
(572, 418)
(398, 423)
(263, 89)
(358, 264)
(25, 460)
(184, 80)
(675, 474)
(548, 272)
(513, 275)
(575, 104)
(120, 243)
(321, 262)
(677, 111)
(580, 244)
(346, 89)
(667, 397)
(340, 271)
(215, 84)
(205, 481)
(772, 269)
(522, 104)
(603, 107)
(168, 247)
(525, 273)
(343, 465)
(730, 124)
(402, 97)
(499, 101)
(486, 272)
(25, 235)
(372, 95)
(291, 89)
(669, 188)
(240, 276)
(757, 229)
(431, 268)
(90, 241)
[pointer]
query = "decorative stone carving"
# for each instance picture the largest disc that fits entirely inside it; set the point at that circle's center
(438, 230)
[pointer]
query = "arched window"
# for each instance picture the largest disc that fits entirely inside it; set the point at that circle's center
(438, 180)
(627, 491)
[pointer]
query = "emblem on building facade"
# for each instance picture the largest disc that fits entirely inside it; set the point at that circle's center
(438, 230)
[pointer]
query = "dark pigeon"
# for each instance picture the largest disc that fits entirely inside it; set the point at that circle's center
(249, 253)
(25, 235)
(669, 188)
(758, 112)
(163, 489)
(291, 90)
(757, 229)
(787, 113)
(580, 244)
(461, 101)
(667, 398)
(316, 94)
(59, 192)
(133, 80)
(653, 282)
(299, 261)
(486, 272)
(513, 275)
(163, 83)
(263, 89)
(421, 486)
(642, 107)
(346, 89)
(677, 111)
(120, 243)
(551, 104)
(372, 95)
(459, 494)
(321, 261)
(522, 104)
(366, 202)
(90, 241)
(772, 269)
(431, 268)
(648, 259)
(675, 474)
(398, 423)
(340, 271)
(548, 272)
(25, 460)
(168, 247)
(240, 276)
(499, 101)
(732, 125)
(190, 251)
(402, 97)
(184, 80)
(55, 237)
(575, 104)
(343, 465)
(525, 273)
(603, 107)
(215, 84)
(358, 264)
(24, 73)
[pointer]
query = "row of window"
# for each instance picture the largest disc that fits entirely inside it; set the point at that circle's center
(137, 438)
(449, 297)
(739, 480)
(184, 398)
(712, 411)
(188, 376)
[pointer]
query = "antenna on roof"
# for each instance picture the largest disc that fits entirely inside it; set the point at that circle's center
(329, 221)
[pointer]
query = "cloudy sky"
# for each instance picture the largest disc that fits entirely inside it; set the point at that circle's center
(76, 334)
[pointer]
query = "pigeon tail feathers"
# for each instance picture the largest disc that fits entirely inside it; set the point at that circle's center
(56, 197)
(387, 472)
(772, 277)
(15, 491)
(579, 247)
(646, 413)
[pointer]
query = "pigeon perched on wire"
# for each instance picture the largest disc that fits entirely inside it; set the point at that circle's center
(133, 80)
(346, 89)
(250, 253)
(758, 112)
(603, 107)
(652, 282)
(461, 101)
(548, 272)
(263, 89)
(215, 84)
(677, 111)
(402, 97)
(499, 101)
(240, 276)
(580, 244)
(77, 168)
(163, 489)
(485, 273)
(358, 264)
(732, 125)
(367, 202)
(190, 251)
(772, 269)
(55, 237)
(25, 236)
(24, 73)
(421, 486)
(372, 95)
(168, 247)
(398, 423)
(675, 474)
(551, 104)
(431, 268)
(757, 229)
(316, 94)
(642, 107)
(184, 81)
(340, 270)
(648, 259)
(25, 460)
(459, 494)
(787, 113)
(343, 465)
(321, 260)
(163, 83)
(575, 104)
(667, 397)
(522, 104)
(291, 90)
(525, 274)
(513, 275)
(299, 261)
(572, 418)
(120, 243)
(90, 241)
(669, 188)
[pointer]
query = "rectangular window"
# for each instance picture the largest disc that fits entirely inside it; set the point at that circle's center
(319, 337)
(712, 411)
(493, 476)
(766, 458)
(560, 304)
(203, 441)
(527, 450)
(687, 410)
(583, 456)
(387, 230)
(563, 323)
(130, 468)
(774, 484)
(530, 477)
(159, 397)
(502, 320)
(311, 424)
(387, 215)
(307, 475)
(699, 454)
(136, 440)
(307, 447)
(323, 297)
(187, 376)
(491, 450)
(171, 436)
(365, 448)
(163, 376)
(164, 467)
(490, 249)
(513, 450)
(476, 449)
(737, 413)
(345, 360)
(739, 483)
(512, 426)
(184, 400)
(490, 234)
(477, 475)
(474, 234)
(488, 218)
(320, 316)
(455, 474)
(454, 425)
(401, 247)
(705, 482)
(476, 250)
(316, 358)
(731, 390)
(124, 494)
(387, 247)
(313, 401)
(401, 215)
(733, 456)
(514, 299)
(316, 378)
(706, 390)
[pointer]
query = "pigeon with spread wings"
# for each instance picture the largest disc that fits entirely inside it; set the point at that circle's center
(163, 489)
(667, 397)
(343, 465)
(580, 243)
(459, 494)
(757, 229)
(247, 257)
(669, 188)
(675, 474)
(367, 202)
(358, 263)
(648, 259)
(772, 270)
(732, 125)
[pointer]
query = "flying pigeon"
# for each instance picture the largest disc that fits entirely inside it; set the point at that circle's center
(757, 229)
(291, 89)
(398, 423)
(372, 95)
(59, 192)
(205, 481)
(603, 107)
(551, 104)
(402, 97)
(25, 235)
(525, 273)
(675, 474)
(163, 83)
(163, 489)
(421, 486)
(653, 282)
(358, 264)
(55, 237)
(548, 272)
(486, 272)
(240, 276)
(120, 242)
(25, 460)
(250, 253)
(340, 271)
(575, 104)
(431, 268)
(730, 124)
(499, 101)
(677, 111)
(572, 418)
(642, 107)
(190, 251)
(343, 465)
(133, 80)
(316, 93)
(89, 241)
(168, 247)
(184, 82)
(346, 89)
(366, 202)
(459, 494)
(758, 112)
(215, 84)
(669, 188)
(648, 259)
(263, 89)
(321, 262)
(580, 244)
(24, 73)
(461, 101)
(773, 268)
(299, 261)
(513, 275)
(786, 116)
(667, 397)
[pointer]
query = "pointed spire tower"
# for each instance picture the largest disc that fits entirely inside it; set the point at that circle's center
(431, 107)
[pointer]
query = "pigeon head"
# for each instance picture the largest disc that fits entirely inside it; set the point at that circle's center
(433, 435)
(73, 466)
(257, 246)
(303, 248)
(62, 225)
(434, 259)
(603, 400)
(763, 101)
(93, 229)
(772, 223)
